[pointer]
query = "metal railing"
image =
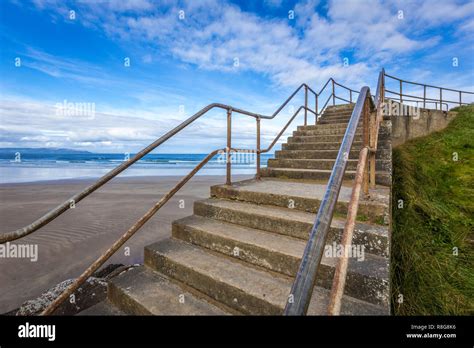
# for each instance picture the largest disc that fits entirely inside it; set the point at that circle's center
(302, 288)
(367, 154)
(332, 96)
(425, 100)
(68, 204)
(303, 285)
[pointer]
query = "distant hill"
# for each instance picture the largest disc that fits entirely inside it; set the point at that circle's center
(40, 150)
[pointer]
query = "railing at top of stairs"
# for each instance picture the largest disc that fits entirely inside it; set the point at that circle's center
(372, 112)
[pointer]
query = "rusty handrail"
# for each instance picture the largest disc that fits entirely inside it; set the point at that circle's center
(72, 201)
(340, 273)
(126, 236)
(419, 101)
(424, 98)
(302, 288)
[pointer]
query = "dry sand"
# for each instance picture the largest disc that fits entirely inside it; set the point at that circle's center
(68, 245)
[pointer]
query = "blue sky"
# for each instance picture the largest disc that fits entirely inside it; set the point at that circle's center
(178, 65)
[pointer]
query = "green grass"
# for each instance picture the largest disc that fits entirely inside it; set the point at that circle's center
(438, 215)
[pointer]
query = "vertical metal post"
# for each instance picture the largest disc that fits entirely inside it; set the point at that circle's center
(316, 109)
(305, 105)
(229, 146)
(401, 91)
(366, 143)
(350, 96)
(440, 99)
(333, 93)
(460, 98)
(424, 97)
(258, 149)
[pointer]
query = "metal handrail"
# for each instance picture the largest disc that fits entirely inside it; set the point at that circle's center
(419, 101)
(54, 213)
(126, 236)
(148, 215)
(367, 153)
(302, 288)
(424, 98)
(427, 99)
(72, 201)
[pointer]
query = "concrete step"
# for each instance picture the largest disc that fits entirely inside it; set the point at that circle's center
(303, 196)
(367, 274)
(340, 108)
(318, 145)
(334, 116)
(103, 308)
(323, 131)
(289, 222)
(327, 154)
(321, 138)
(308, 163)
(333, 121)
(329, 112)
(297, 163)
(141, 291)
(238, 285)
(322, 126)
(381, 178)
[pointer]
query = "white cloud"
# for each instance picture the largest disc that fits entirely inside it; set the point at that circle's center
(215, 34)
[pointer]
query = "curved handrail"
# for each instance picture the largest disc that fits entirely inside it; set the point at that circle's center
(302, 288)
(72, 201)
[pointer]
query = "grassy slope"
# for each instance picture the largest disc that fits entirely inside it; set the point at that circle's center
(438, 214)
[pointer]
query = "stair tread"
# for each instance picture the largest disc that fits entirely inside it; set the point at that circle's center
(313, 159)
(266, 286)
(329, 171)
(160, 296)
(289, 214)
(275, 186)
(372, 265)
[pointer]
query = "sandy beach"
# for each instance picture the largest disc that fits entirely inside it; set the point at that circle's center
(68, 245)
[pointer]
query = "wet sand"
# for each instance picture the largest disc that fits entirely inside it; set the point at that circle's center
(68, 245)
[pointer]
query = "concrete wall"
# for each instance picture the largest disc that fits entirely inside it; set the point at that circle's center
(423, 122)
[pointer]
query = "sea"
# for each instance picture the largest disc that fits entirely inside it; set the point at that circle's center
(31, 166)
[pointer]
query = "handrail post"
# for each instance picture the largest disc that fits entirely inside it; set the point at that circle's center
(229, 146)
(316, 109)
(305, 105)
(333, 94)
(350, 96)
(424, 96)
(440, 99)
(258, 149)
(401, 99)
(365, 121)
(460, 98)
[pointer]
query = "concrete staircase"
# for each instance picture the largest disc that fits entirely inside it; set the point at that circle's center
(240, 251)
